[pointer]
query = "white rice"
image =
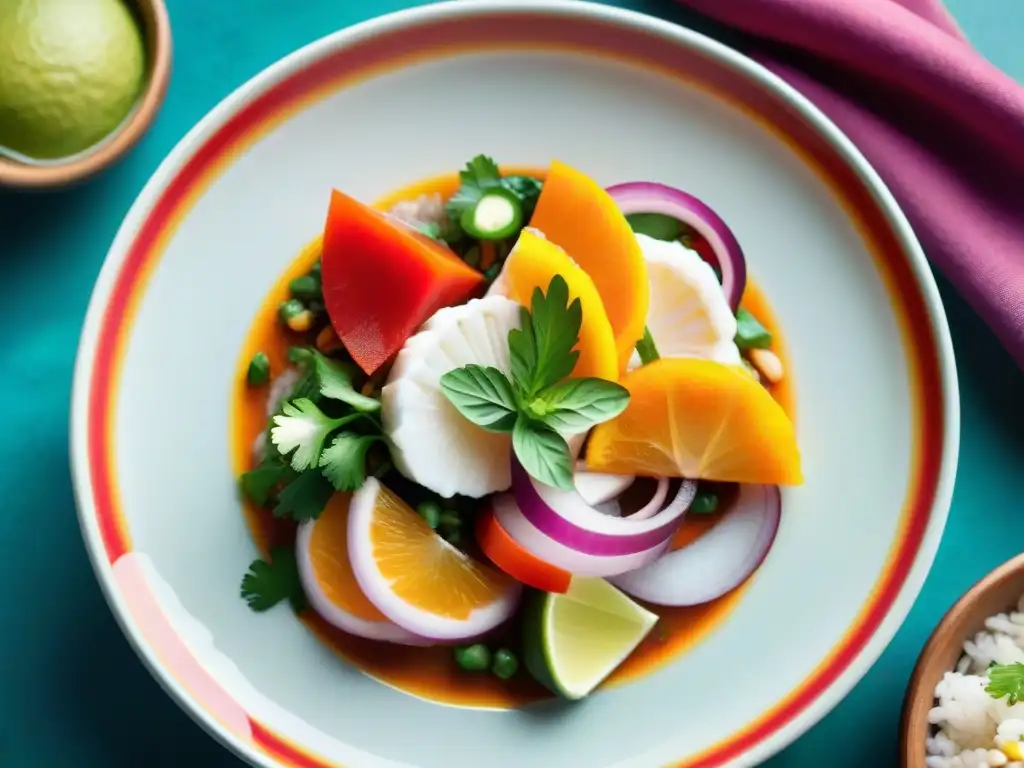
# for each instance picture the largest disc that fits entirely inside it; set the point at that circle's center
(973, 728)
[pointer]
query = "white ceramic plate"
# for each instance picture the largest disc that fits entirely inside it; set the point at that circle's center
(623, 97)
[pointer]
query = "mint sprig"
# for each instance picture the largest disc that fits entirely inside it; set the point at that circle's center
(539, 402)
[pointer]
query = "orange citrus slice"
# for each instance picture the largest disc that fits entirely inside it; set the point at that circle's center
(578, 215)
(416, 578)
(698, 419)
(532, 264)
(329, 584)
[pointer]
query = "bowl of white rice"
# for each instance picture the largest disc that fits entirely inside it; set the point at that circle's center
(962, 707)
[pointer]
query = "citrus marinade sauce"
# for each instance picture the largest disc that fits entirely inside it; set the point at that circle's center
(431, 673)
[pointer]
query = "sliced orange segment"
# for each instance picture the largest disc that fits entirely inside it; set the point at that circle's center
(416, 578)
(578, 215)
(329, 583)
(532, 264)
(328, 555)
(698, 419)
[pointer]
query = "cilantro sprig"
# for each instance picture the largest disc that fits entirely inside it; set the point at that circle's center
(319, 441)
(1006, 680)
(538, 404)
(269, 583)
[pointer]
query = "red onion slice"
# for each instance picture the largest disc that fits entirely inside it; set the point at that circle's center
(652, 507)
(717, 562)
(564, 517)
(597, 487)
(577, 563)
(651, 197)
(613, 506)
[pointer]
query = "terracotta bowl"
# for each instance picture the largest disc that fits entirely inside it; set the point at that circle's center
(995, 593)
(156, 29)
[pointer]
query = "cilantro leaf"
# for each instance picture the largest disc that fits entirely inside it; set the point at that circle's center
(576, 405)
(344, 462)
(336, 383)
(527, 189)
(483, 395)
(267, 584)
(258, 484)
(302, 427)
(542, 452)
(522, 348)
(1006, 680)
(481, 173)
(305, 497)
(556, 328)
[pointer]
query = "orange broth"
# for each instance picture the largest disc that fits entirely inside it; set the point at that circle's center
(431, 673)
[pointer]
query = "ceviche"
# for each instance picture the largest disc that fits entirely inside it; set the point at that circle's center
(514, 425)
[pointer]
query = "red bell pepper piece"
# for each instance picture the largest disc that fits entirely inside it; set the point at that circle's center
(382, 280)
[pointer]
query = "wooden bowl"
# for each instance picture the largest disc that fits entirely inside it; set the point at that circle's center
(997, 592)
(156, 29)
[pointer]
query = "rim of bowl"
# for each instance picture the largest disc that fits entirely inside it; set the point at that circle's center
(947, 639)
(453, 9)
(156, 32)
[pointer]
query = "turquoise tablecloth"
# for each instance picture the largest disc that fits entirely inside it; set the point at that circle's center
(72, 693)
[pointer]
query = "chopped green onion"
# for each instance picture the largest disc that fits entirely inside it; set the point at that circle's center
(473, 658)
(646, 349)
(259, 370)
(496, 215)
(750, 334)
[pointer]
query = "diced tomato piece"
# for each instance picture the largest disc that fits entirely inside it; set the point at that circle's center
(383, 280)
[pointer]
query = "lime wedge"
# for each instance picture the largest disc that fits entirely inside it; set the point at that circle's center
(573, 641)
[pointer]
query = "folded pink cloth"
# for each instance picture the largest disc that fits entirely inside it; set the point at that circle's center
(943, 127)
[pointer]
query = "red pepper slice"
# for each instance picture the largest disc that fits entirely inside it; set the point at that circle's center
(382, 280)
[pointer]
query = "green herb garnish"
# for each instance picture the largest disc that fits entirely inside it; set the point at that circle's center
(750, 334)
(335, 380)
(302, 429)
(657, 225)
(1006, 680)
(305, 497)
(646, 348)
(344, 462)
(480, 174)
(541, 349)
(259, 484)
(268, 583)
(527, 189)
(538, 399)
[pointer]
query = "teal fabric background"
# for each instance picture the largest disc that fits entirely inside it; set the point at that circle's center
(72, 693)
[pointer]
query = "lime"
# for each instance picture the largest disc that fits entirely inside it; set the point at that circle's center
(573, 641)
(70, 72)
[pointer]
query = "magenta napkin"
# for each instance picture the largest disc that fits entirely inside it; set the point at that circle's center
(943, 127)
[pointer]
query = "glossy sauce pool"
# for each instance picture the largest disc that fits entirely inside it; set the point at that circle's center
(431, 673)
